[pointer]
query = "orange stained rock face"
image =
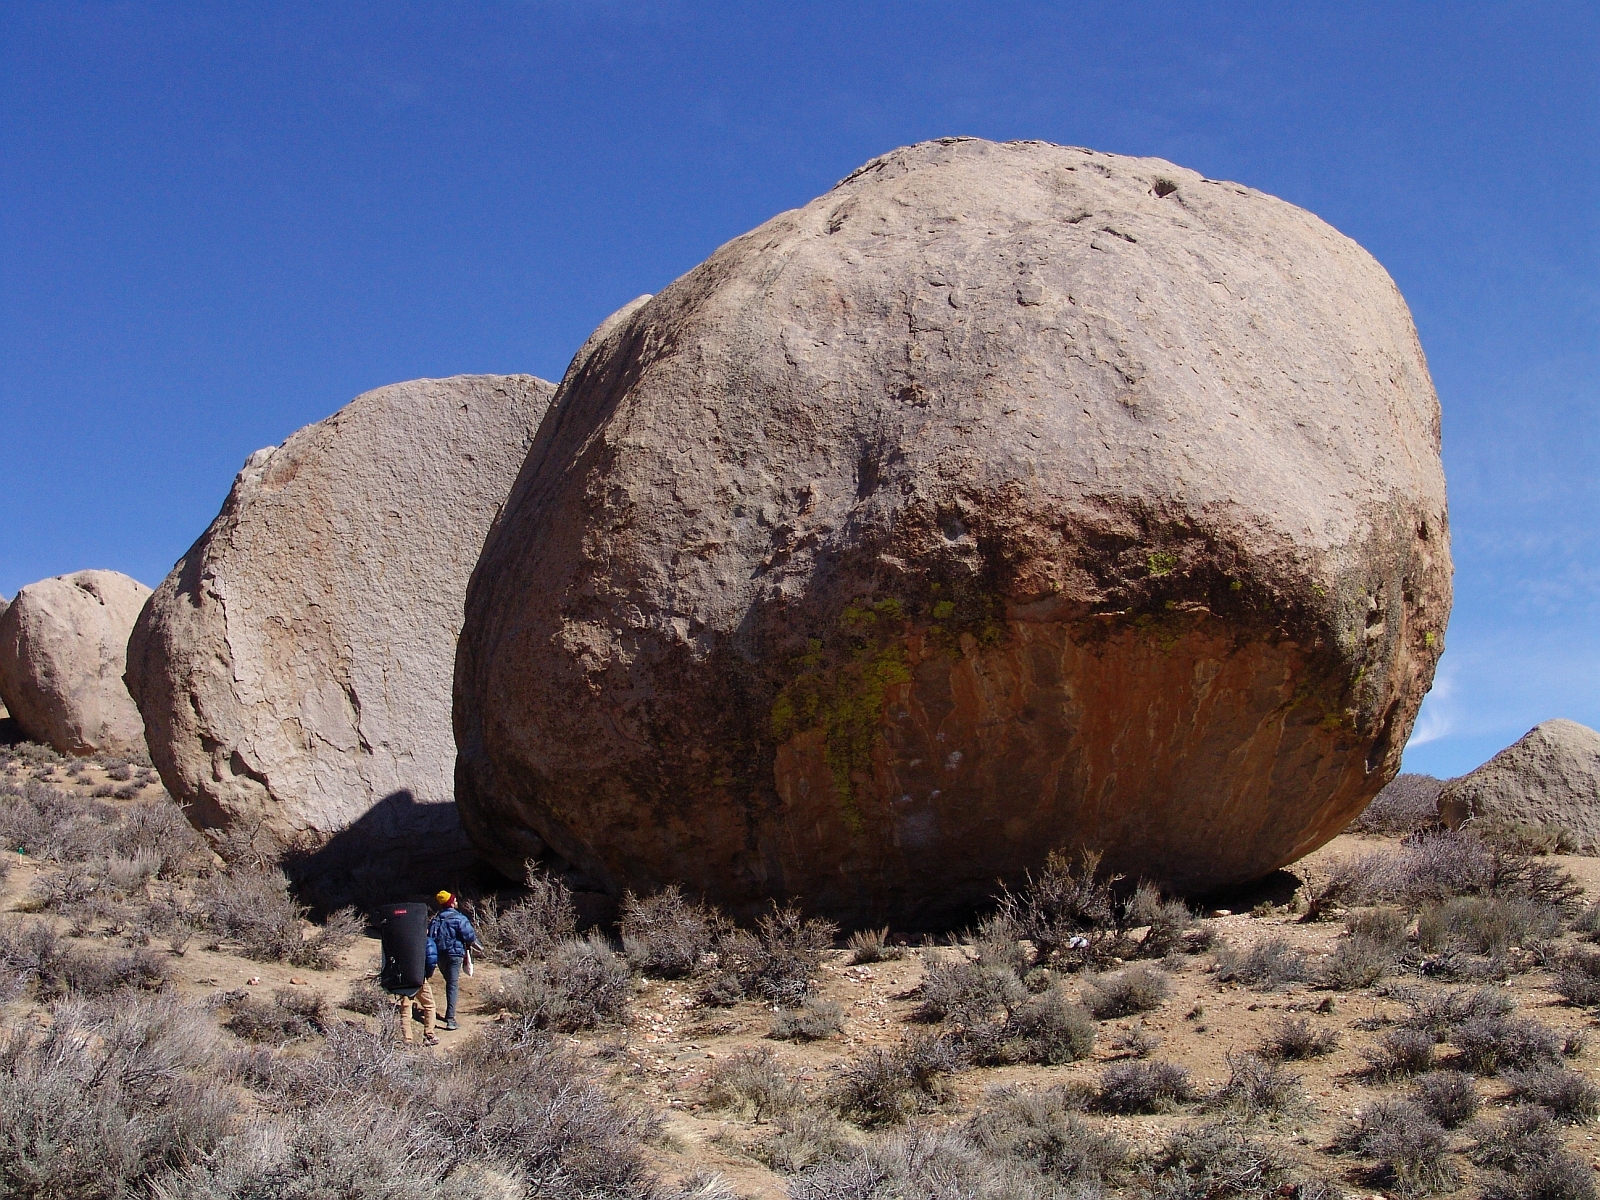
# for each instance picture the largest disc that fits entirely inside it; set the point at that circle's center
(1194, 761)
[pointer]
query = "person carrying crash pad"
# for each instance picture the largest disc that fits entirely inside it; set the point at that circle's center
(409, 956)
(453, 934)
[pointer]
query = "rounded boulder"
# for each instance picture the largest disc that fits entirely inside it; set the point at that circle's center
(63, 647)
(294, 668)
(1007, 497)
(1549, 778)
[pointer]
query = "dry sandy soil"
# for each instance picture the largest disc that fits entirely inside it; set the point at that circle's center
(664, 1054)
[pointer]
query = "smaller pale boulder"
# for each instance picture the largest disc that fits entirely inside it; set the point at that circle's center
(1550, 777)
(63, 648)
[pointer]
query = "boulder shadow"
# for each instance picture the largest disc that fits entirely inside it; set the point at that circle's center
(399, 848)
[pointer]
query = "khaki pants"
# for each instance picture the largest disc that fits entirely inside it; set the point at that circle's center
(424, 997)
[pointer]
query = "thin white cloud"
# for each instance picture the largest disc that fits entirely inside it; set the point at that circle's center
(1437, 718)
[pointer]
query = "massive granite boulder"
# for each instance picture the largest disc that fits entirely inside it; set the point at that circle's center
(1005, 498)
(63, 643)
(1550, 777)
(294, 668)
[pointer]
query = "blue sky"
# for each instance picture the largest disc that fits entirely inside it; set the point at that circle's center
(219, 222)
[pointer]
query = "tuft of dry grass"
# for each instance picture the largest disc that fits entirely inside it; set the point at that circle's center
(1297, 1038)
(1135, 990)
(873, 945)
(813, 1021)
(1266, 966)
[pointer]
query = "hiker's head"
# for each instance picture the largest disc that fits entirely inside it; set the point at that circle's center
(446, 900)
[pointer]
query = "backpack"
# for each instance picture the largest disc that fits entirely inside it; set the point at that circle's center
(433, 954)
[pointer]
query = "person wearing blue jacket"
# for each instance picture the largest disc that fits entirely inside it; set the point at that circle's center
(454, 936)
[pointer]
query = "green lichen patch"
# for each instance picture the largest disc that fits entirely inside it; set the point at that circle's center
(846, 703)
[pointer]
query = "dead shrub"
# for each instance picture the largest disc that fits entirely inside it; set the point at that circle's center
(1432, 867)
(529, 929)
(665, 936)
(778, 962)
(801, 1139)
(1438, 1013)
(1297, 1038)
(1566, 1094)
(1221, 1162)
(1071, 917)
(1266, 966)
(1350, 881)
(965, 993)
(511, 1098)
(1046, 1030)
(1524, 1159)
(1577, 978)
(995, 944)
(814, 1020)
(921, 1163)
(1449, 1097)
(1257, 1085)
(750, 1081)
(1410, 1146)
(1407, 804)
(1356, 963)
(1165, 920)
(251, 910)
(1488, 1045)
(51, 825)
(1384, 927)
(887, 1085)
(33, 955)
(1135, 990)
(1562, 1176)
(289, 1016)
(1485, 925)
(111, 1097)
(1587, 923)
(1400, 1052)
(366, 997)
(1041, 1130)
(1519, 837)
(1136, 1041)
(1142, 1087)
(582, 984)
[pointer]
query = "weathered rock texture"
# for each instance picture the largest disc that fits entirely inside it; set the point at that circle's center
(1548, 777)
(1006, 497)
(63, 644)
(294, 668)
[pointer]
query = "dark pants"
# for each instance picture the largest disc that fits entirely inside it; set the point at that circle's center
(450, 968)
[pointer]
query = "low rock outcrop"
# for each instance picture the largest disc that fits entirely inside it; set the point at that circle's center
(1007, 497)
(294, 668)
(63, 647)
(1548, 779)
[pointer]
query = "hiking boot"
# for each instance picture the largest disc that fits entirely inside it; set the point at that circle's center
(451, 1026)
(429, 1040)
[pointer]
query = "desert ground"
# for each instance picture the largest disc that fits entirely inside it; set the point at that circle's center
(1279, 1052)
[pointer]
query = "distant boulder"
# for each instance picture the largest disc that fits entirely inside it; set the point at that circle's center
(1549, 778)
(63, 647)
(1004, 498)
(294, 668)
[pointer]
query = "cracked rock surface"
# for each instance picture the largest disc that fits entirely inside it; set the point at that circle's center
(1006, 497)
(294, 668)
(63, 642)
